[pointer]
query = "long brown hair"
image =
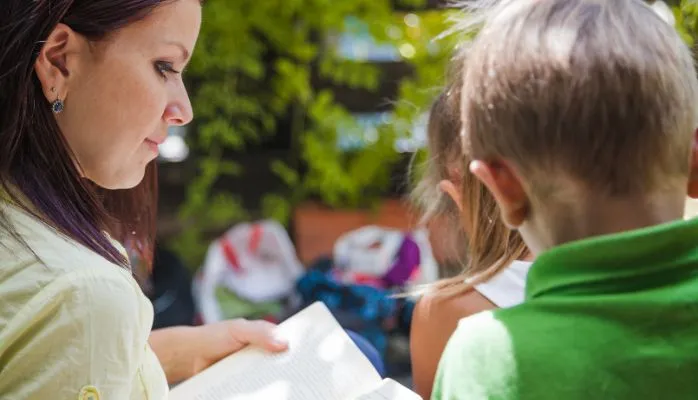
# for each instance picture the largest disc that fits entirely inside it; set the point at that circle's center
(484, 246)
(36, 164)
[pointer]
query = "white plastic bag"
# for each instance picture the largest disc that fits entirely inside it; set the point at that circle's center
(256, 261)
(371, 250)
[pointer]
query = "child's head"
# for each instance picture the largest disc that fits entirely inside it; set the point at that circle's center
(573, 101)
(461, 213)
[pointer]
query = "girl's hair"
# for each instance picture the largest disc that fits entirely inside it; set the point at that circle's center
(484, 245)
(34, 156)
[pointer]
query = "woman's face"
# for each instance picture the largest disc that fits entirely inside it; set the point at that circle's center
(121, 94)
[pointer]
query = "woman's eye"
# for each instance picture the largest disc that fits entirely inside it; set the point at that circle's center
(164, 68)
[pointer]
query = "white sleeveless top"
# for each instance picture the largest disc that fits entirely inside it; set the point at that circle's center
(507, 288)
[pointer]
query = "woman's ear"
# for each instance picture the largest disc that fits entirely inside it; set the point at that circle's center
(56, 62)
(506, 188)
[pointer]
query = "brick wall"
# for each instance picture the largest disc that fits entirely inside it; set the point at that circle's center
(316, 228)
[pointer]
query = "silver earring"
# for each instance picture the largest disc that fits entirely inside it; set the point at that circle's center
(57, 105)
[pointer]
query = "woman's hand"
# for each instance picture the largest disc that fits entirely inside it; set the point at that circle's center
(186, 351)
(220, 339)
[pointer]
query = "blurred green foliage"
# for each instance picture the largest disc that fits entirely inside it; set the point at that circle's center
(686, 14)
(238, 97)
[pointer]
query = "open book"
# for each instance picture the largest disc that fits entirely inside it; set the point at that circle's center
(322, 363)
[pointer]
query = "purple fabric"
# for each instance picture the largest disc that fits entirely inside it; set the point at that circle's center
(406, 262)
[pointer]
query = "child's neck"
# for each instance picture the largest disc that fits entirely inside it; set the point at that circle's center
(600, 215)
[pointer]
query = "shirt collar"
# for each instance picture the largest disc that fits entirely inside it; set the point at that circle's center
(618, 262)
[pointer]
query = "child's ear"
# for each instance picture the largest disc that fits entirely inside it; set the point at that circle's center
(506, 188)
(452, 191)
(692, 189)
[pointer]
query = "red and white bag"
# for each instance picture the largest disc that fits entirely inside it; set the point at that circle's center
(256, 261)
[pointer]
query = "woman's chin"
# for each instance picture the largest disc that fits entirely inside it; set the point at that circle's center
(120, 181)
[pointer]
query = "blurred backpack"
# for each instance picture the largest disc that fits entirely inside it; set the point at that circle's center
(384, 257)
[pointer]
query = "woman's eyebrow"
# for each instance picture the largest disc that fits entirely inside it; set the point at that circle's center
(185, 52)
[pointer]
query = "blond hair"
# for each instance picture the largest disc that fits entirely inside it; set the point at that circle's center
(484, 245)
(600, 92)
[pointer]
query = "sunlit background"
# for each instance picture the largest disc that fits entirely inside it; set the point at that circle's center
(312, 114)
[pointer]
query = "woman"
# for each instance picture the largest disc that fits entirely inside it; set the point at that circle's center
(88, 91)
(464, 224)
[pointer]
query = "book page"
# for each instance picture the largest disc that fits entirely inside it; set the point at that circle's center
(390, 390)
(322, 363)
